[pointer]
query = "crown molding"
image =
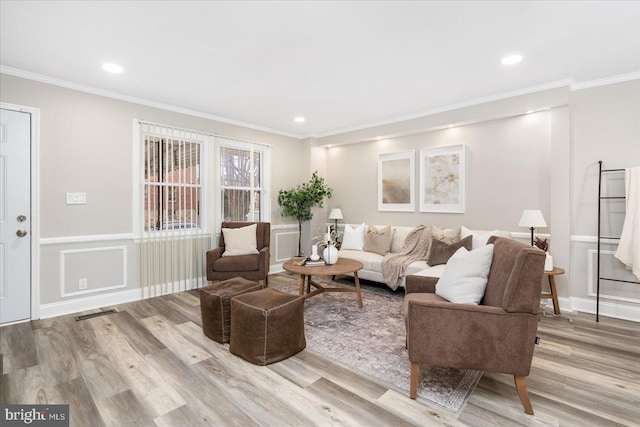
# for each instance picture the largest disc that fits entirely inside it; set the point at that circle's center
(606, 81)
(132, 99)
(451, 107)
(497, 97)
(477, 101)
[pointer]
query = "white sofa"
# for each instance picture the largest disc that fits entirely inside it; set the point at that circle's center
(372, 262)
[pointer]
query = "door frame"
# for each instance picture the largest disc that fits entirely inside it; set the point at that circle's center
(35, 204)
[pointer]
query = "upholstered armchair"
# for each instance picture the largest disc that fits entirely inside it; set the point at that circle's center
(251, 267)
(498, 335)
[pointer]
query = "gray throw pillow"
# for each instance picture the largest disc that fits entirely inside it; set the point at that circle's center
(440, 252)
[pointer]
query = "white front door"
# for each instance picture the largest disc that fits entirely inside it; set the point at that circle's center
(15, 215)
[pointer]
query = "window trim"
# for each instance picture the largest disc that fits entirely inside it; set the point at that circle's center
(138, 187)
(265, 176)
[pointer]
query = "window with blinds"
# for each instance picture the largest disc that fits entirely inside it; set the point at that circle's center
(243, 187)
(172, 180)
(172, 208)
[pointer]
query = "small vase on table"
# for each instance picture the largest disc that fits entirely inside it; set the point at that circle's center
(330, 254)
(314, 253)
(548, 262)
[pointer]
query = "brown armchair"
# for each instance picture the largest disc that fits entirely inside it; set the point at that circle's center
(496, 336)
(251, 267)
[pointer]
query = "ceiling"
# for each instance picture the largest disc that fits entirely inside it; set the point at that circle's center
(342, 65)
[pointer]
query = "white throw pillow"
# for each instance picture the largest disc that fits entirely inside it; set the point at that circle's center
(464, 278)
(353, 238)
(240, 241)
(479, 240)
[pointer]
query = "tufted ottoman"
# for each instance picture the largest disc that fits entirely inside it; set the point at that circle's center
(267, 326)
(215, 306)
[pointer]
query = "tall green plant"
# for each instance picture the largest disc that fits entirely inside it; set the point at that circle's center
(299, 201)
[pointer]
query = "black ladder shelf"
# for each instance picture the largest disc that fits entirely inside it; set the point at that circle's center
(600, 237)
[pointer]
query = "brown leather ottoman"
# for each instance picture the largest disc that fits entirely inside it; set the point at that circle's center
(267, 326)
(215, 306)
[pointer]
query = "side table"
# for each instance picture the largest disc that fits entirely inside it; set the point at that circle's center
(552, 286)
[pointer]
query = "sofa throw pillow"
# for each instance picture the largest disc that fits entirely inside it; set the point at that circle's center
(464, 278)
(441, 252)
(479, 239)
(353, 238)
(240, 241)
(446, 235)
(377, 240)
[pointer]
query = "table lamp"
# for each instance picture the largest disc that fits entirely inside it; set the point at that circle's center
(335, 215)
(532, 219)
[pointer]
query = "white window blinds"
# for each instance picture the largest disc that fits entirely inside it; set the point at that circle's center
(173, 244)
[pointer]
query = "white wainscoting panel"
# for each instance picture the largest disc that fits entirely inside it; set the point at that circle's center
(104, 268)
(285, 241)
(611, 268)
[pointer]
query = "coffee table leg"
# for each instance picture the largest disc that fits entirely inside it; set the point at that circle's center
(355, 276)
(308, 284)
(302, 278)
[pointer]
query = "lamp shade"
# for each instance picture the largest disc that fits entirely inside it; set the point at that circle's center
(335, 213)
(532, 218)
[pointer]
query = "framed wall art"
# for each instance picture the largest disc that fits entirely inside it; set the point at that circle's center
(442, 179)
(396, 181)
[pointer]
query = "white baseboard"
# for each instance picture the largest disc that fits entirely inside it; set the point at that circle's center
(108, 299)
(276, 268)
(608, 309)
(89, 303)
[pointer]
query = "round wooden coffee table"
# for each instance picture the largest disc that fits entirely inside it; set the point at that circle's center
(343, 266)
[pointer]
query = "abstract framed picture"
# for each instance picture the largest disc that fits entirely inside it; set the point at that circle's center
(442, 179)
(396, 181)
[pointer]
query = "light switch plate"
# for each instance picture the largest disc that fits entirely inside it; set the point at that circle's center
(76, 198)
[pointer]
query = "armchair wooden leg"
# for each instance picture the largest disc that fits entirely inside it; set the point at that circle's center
(413, 387)
(521, 386)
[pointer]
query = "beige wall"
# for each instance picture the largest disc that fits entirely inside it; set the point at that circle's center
(507, 166)
(546, 160)
(605, 126)
(86, 145)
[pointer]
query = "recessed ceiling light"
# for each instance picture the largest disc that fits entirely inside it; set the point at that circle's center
(112, 68)
(512, 59)
(299, 119)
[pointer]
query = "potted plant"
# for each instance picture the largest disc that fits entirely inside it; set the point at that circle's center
(299, 201)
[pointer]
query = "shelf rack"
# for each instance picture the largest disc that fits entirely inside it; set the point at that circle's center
(600, 237)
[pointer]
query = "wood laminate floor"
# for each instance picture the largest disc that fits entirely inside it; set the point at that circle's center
(149, 364)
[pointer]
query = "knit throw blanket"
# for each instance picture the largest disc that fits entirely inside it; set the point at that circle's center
(414, 249)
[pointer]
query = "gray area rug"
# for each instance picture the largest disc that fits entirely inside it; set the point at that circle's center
(371, 340)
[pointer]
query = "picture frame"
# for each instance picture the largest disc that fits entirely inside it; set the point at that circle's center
(442, 179)
(396, 181)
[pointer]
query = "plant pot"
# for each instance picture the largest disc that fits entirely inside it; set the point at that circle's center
(330, 254)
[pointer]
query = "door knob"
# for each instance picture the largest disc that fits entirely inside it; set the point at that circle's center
(21, 233)
(21, 218)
